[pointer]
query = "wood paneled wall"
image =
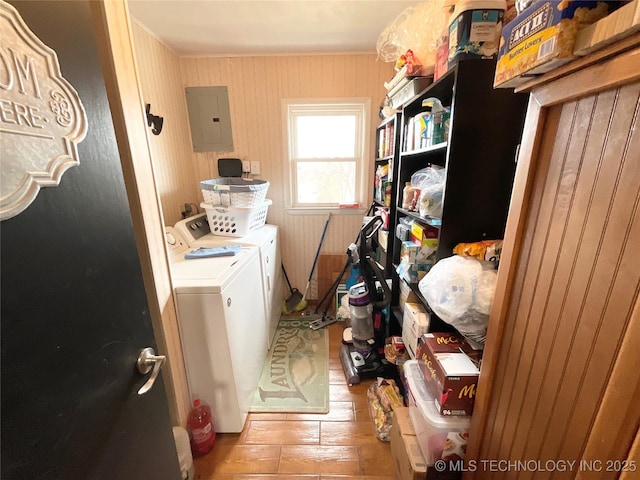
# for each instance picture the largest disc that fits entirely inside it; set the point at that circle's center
(256, 86)
(161, 84)
(558, 380)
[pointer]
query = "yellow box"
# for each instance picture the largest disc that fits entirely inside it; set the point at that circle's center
(424, 235)
(542, 37)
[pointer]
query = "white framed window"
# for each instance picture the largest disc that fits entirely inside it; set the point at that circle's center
(327, 143)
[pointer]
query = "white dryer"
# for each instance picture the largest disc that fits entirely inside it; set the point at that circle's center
(195, 230)
(222, 328)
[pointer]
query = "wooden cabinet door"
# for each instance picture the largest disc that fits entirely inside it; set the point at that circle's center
(560, 379)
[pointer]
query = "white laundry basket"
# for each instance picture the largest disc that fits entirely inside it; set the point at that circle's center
(236, 221)
(234, 192)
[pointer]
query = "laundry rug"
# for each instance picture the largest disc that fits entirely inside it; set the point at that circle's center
(295, 376)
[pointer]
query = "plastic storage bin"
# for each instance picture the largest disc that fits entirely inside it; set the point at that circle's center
(439, 437)
(234, 192)
(474, 29)
(235, 221)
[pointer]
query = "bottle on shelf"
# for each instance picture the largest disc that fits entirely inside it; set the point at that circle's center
(407, 195)
(202, 433)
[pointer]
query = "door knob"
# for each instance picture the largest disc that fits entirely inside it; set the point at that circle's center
(147, 360)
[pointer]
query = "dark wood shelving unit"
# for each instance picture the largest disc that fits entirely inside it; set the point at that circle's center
(479, 156)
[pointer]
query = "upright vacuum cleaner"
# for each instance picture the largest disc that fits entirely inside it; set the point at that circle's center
(362, 357)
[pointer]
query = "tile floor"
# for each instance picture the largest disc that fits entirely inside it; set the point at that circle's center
(339, 445)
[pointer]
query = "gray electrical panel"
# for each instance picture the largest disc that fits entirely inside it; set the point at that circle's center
(210, 119)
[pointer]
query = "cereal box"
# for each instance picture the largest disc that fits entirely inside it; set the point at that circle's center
(541, 38)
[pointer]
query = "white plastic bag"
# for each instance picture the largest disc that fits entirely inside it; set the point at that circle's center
(430, 182)
(460, 291)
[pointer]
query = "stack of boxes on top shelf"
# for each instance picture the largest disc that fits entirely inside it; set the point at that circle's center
(404, 85)
(548, 34)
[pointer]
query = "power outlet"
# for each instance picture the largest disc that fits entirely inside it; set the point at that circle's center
(255, 168)
(187, 212)
(246, 166)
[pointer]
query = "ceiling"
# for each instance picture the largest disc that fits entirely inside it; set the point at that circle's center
(267, 27)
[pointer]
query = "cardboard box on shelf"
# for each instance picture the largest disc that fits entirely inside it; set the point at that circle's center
(415, 322)
(619, 24)
(424, 235)
(406, 295)
(442, 57)
(416, 272)
(542, 38)
(383, 239)
(408, 251)
(407, 457)
(446, 342)
(409, 90)
(451, 379)
(415, 261)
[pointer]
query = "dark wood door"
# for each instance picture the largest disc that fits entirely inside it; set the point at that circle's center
(74, 310)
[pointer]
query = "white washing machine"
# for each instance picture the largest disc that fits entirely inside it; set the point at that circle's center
(222, 328)
(195, 230)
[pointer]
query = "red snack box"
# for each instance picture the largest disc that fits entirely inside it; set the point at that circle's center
(444, 342)
(451, 377)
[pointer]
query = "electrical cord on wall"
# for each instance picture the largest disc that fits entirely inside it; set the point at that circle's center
(188, 211)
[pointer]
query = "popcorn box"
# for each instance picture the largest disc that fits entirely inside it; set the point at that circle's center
(542, 37)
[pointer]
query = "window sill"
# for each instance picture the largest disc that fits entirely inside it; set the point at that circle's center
(326, 211)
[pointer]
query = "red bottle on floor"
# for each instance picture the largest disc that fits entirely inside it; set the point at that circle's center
(202, 433)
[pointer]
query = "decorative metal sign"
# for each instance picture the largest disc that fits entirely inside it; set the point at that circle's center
(41, 117)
